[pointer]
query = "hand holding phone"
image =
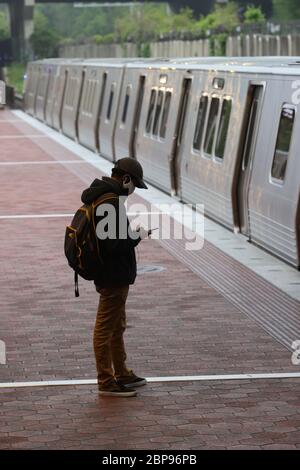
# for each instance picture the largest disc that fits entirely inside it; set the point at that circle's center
(151, 230)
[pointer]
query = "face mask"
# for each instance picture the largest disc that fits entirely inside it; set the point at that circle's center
(129, 185)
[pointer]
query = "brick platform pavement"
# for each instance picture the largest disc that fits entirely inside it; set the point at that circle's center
(244, 414)
(174, 328)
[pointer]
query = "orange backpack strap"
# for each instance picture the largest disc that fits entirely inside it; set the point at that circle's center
(103, 198)
(94, 205)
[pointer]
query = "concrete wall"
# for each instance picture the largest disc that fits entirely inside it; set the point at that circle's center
(263, 45)
(246, 45)
(98, 50)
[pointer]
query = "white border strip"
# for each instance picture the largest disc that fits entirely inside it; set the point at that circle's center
(9, 120)
(33, 216)
(40, 216)
(24, 136)
(183, 378)
(47, 162)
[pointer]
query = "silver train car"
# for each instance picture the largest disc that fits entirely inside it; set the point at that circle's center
(223, 132)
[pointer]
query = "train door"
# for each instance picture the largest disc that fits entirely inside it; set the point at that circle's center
(255, 94)
(136, 118)
(174, 158)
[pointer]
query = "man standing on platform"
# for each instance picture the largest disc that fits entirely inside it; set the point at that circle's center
(119, 271)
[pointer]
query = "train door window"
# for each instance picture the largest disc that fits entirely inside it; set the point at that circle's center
(92, 96)
(283, 142)
(164, 119)
(103, 87)
(211, 126)
(88, 96)
(68, 93)
(202, 109)
(71, 94)
(43, 85)
(110, 101)
(39, 87)
(158, 108)
(85, 97)
(126, 102)
(50, 86)
(250, 131)
(150, 110)
(223, 128)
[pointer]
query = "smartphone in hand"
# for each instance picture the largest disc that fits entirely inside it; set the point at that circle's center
(151, 230)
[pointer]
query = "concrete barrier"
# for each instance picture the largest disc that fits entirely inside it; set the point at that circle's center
(248, 45)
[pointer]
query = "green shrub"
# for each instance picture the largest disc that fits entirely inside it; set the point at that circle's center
(254, 15)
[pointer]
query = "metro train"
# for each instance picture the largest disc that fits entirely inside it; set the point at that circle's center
(223, 132)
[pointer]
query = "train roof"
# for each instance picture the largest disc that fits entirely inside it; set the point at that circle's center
(277, 65)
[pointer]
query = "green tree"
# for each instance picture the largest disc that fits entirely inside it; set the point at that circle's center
(285, 10)
(4, 29)
(182, 21)
(44, 40)
(224, 16)
(253, 15)
(71, 22)
(143, 21)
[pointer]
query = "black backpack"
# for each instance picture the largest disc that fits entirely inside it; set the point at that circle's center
(82, 244)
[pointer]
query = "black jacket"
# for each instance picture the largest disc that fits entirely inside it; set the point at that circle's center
(117, 253)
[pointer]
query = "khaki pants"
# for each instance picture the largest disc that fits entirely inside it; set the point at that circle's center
(108, 335)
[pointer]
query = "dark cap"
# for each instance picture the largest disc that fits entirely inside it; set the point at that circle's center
(134, 169)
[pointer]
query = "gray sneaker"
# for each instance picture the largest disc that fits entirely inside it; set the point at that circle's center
(116, 390)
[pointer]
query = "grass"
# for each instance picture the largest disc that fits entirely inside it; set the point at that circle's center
(15, 76)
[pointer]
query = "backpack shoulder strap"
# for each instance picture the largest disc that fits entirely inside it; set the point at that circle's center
(104, 197)
(94, 205)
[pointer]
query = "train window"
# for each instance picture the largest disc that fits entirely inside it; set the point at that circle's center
(218, 83)
(164, 119)
(283, 142)
(126, 101)
(110, 101)
(150, 110)
(159, 102)
(202, 109)
(223, 128)
(163, 78)
(211, 126)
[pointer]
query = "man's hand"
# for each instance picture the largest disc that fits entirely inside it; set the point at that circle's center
(143, 233)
